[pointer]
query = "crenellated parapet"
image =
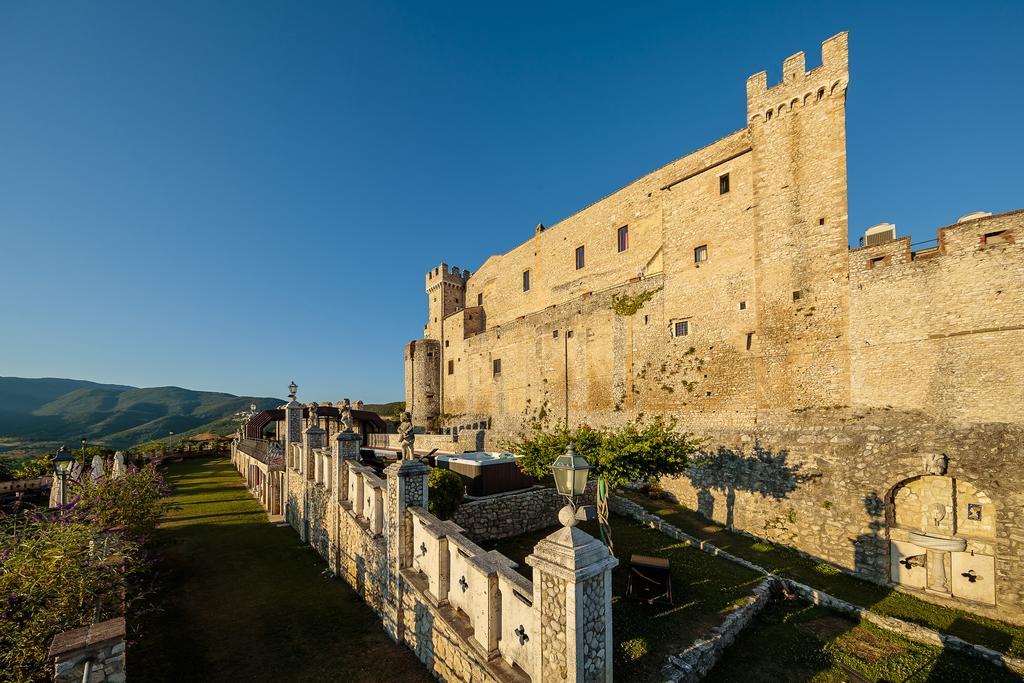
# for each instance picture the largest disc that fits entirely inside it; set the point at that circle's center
(799, 87)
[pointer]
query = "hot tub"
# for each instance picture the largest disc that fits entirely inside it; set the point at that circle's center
(486, 473)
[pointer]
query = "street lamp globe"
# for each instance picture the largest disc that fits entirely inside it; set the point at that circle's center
(293, 388)
(571, 472)
(62, 462)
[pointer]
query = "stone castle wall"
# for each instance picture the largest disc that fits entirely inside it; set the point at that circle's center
(826, 483)
(937, 331)
(780, 314)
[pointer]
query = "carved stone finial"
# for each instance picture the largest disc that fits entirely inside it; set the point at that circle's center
(406, 436)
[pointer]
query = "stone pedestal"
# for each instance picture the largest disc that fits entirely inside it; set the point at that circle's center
(572, 578)
(407, 487)
(346, 449)
(98, 647)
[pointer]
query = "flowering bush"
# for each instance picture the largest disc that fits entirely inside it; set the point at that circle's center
(135, 501)
(61, 569)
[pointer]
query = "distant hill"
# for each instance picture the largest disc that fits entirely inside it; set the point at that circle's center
(385, 409)
(50, 410)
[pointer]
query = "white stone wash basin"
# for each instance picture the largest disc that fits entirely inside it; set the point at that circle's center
(950, 545)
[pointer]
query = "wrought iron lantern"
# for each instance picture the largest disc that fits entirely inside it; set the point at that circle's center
(293, 388)
(571, 472)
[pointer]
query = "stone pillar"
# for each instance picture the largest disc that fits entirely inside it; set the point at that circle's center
(314, 438)
(407, 487)
(572, 579)
(346, 449)
(292, 423)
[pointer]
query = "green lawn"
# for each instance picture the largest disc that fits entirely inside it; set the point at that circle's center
(245, 600)
(706, 587)
(881, 599)
(795, 641)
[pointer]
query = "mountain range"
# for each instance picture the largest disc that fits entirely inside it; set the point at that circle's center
(37, 413)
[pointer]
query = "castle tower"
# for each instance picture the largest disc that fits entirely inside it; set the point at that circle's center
(423, 381)
(798, 139)
(446, 294)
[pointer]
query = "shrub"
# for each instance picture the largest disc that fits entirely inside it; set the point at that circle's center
(446, 492)
(53, 574)
(58, 568)
(33, 468)
(134, 502)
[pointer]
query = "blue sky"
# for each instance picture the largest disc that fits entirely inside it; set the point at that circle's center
(231, 195)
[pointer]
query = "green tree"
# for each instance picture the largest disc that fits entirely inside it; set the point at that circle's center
(446, 491)
(638, 452)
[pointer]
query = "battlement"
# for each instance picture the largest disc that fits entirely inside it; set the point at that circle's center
(986, 233)
(799, 87)
(446, 274)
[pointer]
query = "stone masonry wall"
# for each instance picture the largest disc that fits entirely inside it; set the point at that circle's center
(824, 482)
(512, 514)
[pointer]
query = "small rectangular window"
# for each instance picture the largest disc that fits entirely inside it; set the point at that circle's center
(554, 334)
(723, 183)
(580, 260)
(480, 299)
(797, 294)
(623, 238)
(496, 367)
(875, 262)
(750, 340)
(446, 343)
(700, 254)
(681, 328)
(451, 367)
(743, 305)
(526, 281)
(998, 237)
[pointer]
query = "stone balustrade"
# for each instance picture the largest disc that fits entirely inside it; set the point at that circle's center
(466, 613)
(480, 585)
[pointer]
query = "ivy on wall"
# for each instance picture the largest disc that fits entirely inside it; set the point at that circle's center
(624, 304)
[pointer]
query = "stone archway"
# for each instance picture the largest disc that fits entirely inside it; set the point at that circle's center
(942, 537)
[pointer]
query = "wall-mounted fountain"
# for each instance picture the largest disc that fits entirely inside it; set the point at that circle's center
(942, 535)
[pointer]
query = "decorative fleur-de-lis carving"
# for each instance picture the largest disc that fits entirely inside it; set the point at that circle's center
(423, 548)
(970, 575)
(463, 583)
(521, 634)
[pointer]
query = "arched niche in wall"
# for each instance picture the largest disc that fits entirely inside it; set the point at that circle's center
(942, 534)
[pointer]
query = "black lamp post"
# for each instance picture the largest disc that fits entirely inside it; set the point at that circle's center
(84, 463)
(62, 463)
(293, 388)
(571, 472)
